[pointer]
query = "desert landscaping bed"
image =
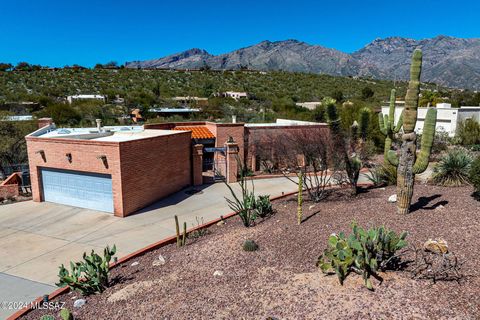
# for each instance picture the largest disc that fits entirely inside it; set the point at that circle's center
(213, 278)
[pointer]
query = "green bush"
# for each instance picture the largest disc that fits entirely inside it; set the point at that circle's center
(475, 177)
(90, 275)
(453, 168)
(364, 252)
(382, 175)
(468, 133)
(263, 206)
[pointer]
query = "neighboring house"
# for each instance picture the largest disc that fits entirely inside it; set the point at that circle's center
(448, 118)
(191, 100)
(309, 105)
(70, 99)
(232, 94)
(17, 118)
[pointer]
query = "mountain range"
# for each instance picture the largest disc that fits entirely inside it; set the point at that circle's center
(448, 61)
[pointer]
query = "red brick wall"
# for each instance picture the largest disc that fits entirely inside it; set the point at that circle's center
(154, 168)
(236, 131)
(84, 158)
(8, 191)
(267, 134)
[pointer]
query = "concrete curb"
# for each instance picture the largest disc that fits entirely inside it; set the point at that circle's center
(144, 250)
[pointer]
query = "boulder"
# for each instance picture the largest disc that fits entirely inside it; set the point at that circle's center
(160, 261)
(392, 198)
(439, 246)
(79, 303)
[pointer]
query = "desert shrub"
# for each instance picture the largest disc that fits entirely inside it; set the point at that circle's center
(453, 168)
(468, 133)
(90, 275)
(382, 175)
(441, 141)
(364, 252)
(263, 206)
(475, 177)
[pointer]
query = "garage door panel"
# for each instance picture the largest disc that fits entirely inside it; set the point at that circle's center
(79, 189)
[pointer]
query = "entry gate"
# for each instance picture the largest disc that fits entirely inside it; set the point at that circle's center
(214, 161)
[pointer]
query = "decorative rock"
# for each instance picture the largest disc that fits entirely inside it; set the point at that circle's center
(79, 303)
(136, 263)
(220, 223)
(160, 261)
(311, 207)
(392, 198)
(440, 207)
(436, 246)
(218, 273)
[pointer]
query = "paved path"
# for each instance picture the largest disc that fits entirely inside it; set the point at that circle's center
(35, 238)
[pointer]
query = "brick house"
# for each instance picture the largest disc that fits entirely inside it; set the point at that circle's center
(123, 169)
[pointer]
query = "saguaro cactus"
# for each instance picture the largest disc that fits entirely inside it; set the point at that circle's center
(388, 127)
(408, 164)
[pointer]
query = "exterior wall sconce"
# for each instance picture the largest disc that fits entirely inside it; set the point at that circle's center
(42, 154)
(69, 157)
(104, 160)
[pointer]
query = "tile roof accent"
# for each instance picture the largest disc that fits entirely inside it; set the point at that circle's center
(198, 132)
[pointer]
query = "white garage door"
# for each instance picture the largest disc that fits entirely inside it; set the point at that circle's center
(78, 189)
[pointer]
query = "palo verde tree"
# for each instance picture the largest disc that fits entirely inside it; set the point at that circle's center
(408, 163)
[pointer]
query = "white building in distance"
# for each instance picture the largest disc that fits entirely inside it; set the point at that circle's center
(232, 94)
(70, 99)
(448, 118)
(309, 105)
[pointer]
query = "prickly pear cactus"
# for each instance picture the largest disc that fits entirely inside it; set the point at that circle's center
(408, 164)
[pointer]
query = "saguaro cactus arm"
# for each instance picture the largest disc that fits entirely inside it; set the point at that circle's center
(382, 124)
(411, 99)
(392, 158)
(399, 124)
(428, 135)
(391, 110)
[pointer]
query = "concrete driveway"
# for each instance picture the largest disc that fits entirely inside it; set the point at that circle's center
(35, 238)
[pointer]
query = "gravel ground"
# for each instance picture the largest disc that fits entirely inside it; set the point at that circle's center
(280, 280)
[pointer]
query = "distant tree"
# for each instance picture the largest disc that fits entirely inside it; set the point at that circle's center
(13, 148)
(23, 66)
(111, 65)
(98, 66)
(337, 95)
(5, 66)
(367, 93)
(62, 114)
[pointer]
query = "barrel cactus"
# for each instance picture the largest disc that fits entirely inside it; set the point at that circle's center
(408, 163)
(250, 245)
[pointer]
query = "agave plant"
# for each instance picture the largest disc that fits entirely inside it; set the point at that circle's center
(453, 168)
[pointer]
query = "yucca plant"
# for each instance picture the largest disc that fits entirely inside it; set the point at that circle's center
(453, 169)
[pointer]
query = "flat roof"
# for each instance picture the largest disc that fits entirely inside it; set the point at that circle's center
(111, 133)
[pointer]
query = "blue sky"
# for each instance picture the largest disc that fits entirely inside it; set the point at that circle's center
(61, 32)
